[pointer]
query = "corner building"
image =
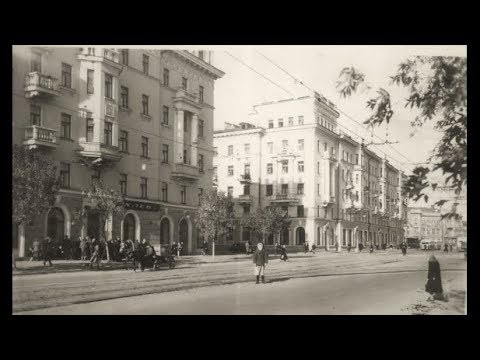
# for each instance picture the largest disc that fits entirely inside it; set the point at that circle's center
(141, 120)
(291, 155)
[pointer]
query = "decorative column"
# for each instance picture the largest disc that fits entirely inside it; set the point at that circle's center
(178, 144)
(194, 140)
(355, 236)
(339, 234)
(325, 236)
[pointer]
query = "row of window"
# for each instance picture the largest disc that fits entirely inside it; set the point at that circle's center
(280, 122)
(346, 156)
(66, 75)
(36, 119)
(65, 183)
(300, 168)
(300, 210)
(166, 73)
(325, 123)
(269, 189)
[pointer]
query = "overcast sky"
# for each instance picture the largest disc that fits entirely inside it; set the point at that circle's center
(318, 67)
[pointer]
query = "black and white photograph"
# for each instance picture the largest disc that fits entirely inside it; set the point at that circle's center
(239, 179)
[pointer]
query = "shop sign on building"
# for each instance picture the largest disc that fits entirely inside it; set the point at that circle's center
(137, 205)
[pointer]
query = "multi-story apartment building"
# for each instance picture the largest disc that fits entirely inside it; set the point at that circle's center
(427, 225)
(334, 188)
(141, 120)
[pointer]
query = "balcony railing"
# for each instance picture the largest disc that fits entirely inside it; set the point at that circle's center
(285, 198)
(36, 136)
(245, 179)
(184, 172)
(111, 55)
(329, 155)
(244, 198)
(37, 84)
(99, 150)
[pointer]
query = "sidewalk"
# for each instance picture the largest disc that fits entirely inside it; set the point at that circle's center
(26, 267)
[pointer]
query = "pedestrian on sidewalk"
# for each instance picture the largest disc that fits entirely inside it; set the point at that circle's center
(35, 250)
(179, 249)
(205, 247)
(88, 248)
(67, 248)
(312, 249)
(305, 248)
(434, 282)
(349, 246)
(75, 248)
(260, 259)
(247, 248)
(336, 246)
(47, 250)
(445, 248)
(360, 247)
(403, 246)
(174, 249)
(283, 253)
(96, 254)
(371, 248)
(83, 248)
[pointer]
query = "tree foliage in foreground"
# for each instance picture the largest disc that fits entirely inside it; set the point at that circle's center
(34, 184)
(215, 215)
(264, 222)
(105, 202)
(438, 90)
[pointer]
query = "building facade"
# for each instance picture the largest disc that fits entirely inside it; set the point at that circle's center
(426, 226)
(290, 154)
(140, 120)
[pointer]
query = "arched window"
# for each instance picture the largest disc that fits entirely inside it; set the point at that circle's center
(55, 224)
(129, 227)
(183, 232)
(300, 236)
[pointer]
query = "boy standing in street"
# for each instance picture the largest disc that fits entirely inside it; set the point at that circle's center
(260, 259)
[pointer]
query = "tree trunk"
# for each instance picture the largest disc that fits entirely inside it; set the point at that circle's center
(213, 245)
(104, 232)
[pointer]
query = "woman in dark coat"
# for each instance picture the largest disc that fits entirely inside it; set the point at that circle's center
(434, 283)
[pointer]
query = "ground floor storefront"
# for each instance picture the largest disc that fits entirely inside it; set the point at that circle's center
(159, 223)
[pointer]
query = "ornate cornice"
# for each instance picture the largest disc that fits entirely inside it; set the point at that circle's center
(198, 63)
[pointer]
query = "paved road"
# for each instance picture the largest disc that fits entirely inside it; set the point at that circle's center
(376, 294)
(325, 283)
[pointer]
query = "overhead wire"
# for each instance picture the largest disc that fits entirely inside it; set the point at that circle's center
(341, 111)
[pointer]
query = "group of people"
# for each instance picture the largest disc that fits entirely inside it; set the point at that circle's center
(309, 248)
(176, 249)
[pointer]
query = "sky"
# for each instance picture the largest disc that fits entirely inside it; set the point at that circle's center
(319, 67)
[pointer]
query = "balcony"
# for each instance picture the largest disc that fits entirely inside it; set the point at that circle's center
(40, 85)
(284, 198)
(99, 152)
(329, 155)
(185, 172)
(330, 201)
(187, 97)
(40, 137)
(245, 198)
(108, 56)
(245, 179)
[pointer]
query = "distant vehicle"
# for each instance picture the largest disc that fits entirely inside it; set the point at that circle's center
(413, 243)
